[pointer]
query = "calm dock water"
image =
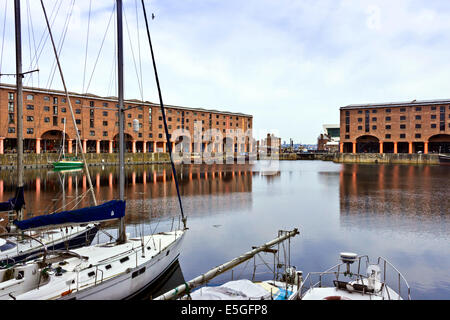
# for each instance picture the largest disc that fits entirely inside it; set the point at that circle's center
(400, 212)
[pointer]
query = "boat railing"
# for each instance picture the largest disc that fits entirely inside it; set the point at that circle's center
(337, 272)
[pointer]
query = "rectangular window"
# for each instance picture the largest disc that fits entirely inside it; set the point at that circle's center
(402, 109)
(388, 118)
(388, 136)
(78, 111)
(78, 121)
(418, 117)
(46, 98)
(30, 118)
(433, 108)
(402, 118)
(418, 126)
(359, 127)
(10, 117)
(91, 123)
(30, 130)
(360, 119)
(374, 127)
(46, 108)
(150, 135)
(105, 123)
(55, 100)
(91, 113)
(418, 108)
(55, 121)
(388, 110)
(105, 133)
(30, 107)
(374, 119)
(105, 113)
(55, 109)
(374, 111)
(30, 97)
(402, 136)
(63, 110)
(433, 125)
(360, 112)
(105, 104)
(92, 133)
(418, 135)
(10, 106)
(91, 104)
(77, 101)
(10, 96)
(11, 130)
(46, 119)
(63, 100)
(403, 126)
(433, 116)
(388, 127)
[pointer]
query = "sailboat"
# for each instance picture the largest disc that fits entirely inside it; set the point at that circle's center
(115, 270)
(26, 238)
(64, 162)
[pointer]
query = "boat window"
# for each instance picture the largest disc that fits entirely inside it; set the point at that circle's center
(91, 274)
(124, 259)
(8, 245)
(108, 267)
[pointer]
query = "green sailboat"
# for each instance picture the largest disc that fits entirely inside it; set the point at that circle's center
(64, 162)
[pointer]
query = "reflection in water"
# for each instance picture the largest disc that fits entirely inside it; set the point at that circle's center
(395, 197)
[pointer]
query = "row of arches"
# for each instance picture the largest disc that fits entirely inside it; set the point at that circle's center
(439, 143)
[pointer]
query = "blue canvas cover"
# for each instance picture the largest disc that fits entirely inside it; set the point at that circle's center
(15, 203)
(113, 209)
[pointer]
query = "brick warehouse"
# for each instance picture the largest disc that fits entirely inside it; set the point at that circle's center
(396, 127)
(44, 112)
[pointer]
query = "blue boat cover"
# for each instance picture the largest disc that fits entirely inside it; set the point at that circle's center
(15, 203)
(113, 209)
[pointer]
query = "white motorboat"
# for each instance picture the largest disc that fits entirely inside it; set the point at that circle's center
(341, 283)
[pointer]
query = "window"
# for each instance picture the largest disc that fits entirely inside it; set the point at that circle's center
(374, 119)
(63, 110)
(433, 108)
(402, 118)
(78, 121)
(91, 123)
(388, 110)
(30, 107)
(418, 135)
(140, 135)
(388, 118)
(160, 126)
(55, 100)
(433, 125)
(359, 127)
(374, 127)
(105, 113)
(150, 135)
(129, 124)
(46, 119)
(418, 117)
(55, 109)
(388, 136)
(91, 113)
(139, 116)
(418, 108)
(10, 106)
(55, 121)
(11, 130)
(347, 136)
(402, 136)
(30, 118)
(78, 111)
(374, 111)
(402, 109)
(433, 116)
(30, 130)
(63, 100)
(46, 108)
(30, 97)
(105, 123)
(77, 101)
(403, 126)
(129, 115)
(169, 118)
(91, 104)
(105, 133)
(10, 96)
(105, 104)
(46, 98)
(418, 126)
(388, 127)
(160, 135)
(10, 117)
(63, 120)
(360, 112)
(92, 133)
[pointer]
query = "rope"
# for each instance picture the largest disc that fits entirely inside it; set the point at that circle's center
(87, 44)
(163, 115)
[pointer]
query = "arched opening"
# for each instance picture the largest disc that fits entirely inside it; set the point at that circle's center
(128, 143)
(348, 147)
(51, 141)
(139, 146)
(367, 144)
(418, 147)
(439, 143)
(388, 147)
(402, 147)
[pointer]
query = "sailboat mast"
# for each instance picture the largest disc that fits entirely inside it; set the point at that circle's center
(122, 235)
(19, 84)
(64, 138)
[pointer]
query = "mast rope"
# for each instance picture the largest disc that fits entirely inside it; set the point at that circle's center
(163, 114)
(101, 47)
(87, 44)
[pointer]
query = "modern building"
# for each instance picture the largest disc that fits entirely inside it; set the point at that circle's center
(396, 127)
(329, 140)
(45, 111)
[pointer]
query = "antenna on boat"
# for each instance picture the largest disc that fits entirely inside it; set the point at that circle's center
(174, 172)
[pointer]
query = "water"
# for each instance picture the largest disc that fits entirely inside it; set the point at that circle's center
(399, 212)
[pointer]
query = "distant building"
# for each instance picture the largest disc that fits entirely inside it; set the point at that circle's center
(269, 145)
(396, 127)
(329, 140)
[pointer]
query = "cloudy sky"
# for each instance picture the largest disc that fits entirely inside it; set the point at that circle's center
(289, 63)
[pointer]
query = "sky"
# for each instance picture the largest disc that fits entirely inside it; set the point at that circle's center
(290, 63)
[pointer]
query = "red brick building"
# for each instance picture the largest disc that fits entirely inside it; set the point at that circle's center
(396, 127)
(44, 113)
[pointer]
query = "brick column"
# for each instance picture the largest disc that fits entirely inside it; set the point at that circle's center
(425, 147)
(97, 146)
(381, 147)
(395, 147)
(85, 145)
(38, 146)
(144, 147)
(2, 145)
(134, 146)
(69, 145)
(354, 147)
(410, 148)
(341, 147)
(111, 146)
(154, 146)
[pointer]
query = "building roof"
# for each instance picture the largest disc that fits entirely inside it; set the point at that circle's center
(133, 101)
(398, 104)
